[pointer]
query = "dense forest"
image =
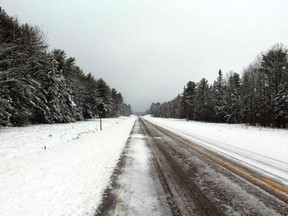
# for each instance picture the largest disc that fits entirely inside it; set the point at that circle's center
(38, 86)
(259, 96)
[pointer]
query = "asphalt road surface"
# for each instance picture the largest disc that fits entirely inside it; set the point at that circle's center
(160, 173)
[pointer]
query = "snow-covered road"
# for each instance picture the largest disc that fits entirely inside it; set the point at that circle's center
(162, 173)
(137, 191)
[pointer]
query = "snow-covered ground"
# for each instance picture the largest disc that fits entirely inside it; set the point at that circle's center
(264, 149)
(66, 178)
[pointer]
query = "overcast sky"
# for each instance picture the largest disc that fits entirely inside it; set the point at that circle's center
(149, 49)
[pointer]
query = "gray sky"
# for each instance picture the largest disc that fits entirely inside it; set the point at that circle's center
(149, 49)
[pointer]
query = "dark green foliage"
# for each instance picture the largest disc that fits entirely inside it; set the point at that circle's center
(41, 87)
(219, 98)
(126, 110)
(188, 100)
(117, 105)
(155, 110)
(259, 97)
(233, 111)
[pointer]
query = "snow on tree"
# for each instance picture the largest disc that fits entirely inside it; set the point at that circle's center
(258, 97)
(41, 87)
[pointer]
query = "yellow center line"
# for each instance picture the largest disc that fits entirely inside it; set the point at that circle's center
(269, 183)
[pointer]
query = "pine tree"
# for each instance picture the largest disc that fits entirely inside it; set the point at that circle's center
(201, 105)
(234, 108)
(248, 96)
(219, 99)
(188, 100)
(41, 87)
(104, 96)
(155, 109)
(117, 102)
(274, 66)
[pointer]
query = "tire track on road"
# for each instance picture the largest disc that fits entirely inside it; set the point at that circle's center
(266, 191)
(191, 196)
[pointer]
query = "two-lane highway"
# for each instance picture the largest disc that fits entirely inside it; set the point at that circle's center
(161, 173)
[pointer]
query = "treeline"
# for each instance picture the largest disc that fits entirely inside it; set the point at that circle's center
(258, 97)
(38, 86)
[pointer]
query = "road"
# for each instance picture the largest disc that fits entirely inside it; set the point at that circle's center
(161, 173)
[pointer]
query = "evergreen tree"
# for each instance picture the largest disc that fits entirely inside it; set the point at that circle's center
(259, 97)
(117, 101)
(155, 109)
(248, 95)
(201, 107)
(126, 110)
(219, 99)
(273, 65)
(233, 93)
(41, 87)
(188, 100)
(104, 96)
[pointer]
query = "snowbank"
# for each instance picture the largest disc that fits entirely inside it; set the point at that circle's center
(69, 177)
(262, 148)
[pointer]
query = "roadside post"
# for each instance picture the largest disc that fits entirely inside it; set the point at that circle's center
(100, 121)
(100, 109)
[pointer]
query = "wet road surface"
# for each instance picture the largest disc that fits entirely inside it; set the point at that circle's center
(160, 173)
